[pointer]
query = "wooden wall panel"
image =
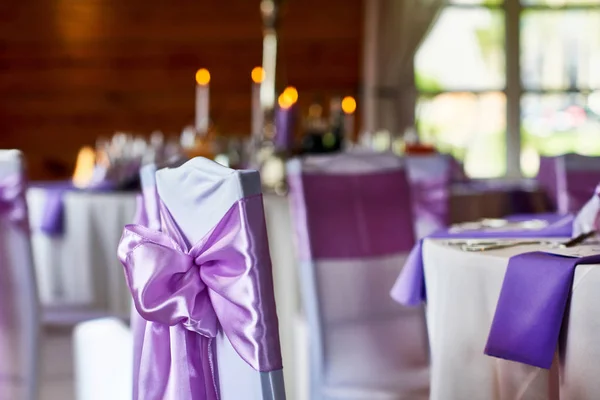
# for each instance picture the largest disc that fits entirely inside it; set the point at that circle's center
(72, 70)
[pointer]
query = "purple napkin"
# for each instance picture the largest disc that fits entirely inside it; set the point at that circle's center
(52, 222)
(409, 288)
(531, 307)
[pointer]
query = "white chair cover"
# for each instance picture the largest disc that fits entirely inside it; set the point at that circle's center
(19, 306)
(197, 195)
(353, 225)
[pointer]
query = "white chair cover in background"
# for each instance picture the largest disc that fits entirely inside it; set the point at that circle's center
(19, 308)
(353, 225)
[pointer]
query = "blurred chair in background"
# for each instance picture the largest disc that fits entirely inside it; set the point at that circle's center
(354, 226)
(430, 177)
(569, 180)
(19, 308)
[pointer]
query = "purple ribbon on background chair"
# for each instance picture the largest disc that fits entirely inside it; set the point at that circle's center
(12, 200)
(410, 290)
(188, 293)
(531, 307)
(580, 187)
(431, 200)
(342, 211)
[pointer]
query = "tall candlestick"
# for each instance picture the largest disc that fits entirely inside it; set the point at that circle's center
(202, 100)
(348, 107)
(257, 75)
(270, 12)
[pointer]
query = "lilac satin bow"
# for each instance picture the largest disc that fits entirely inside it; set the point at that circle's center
(12, 200)
(223, 281)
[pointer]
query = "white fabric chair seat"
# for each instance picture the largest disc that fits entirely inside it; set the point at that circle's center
(103, 360)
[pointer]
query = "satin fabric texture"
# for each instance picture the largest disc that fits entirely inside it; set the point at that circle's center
(189, 293)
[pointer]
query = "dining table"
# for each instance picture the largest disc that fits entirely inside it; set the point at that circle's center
(460, 274)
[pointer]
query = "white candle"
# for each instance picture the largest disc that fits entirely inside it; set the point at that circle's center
(257, 114)
(202, 100)
(349, 107)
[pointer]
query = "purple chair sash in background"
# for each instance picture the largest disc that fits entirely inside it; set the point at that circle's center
(12, 200)
(189, 293)
(569, 180)
(19, 306)
(431, 200)
(336, 204)
(531, 307)
(410, 290)
(430, 177)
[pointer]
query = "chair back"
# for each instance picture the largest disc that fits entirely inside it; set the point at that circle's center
(19, 306)
(353, 224)
(194, 200)
(430, 177)
(569, 180)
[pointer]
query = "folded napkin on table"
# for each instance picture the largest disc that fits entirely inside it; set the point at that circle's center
(532, 304)
(409, 288)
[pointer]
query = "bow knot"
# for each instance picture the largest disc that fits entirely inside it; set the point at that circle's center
(223, 284)
(168, 287)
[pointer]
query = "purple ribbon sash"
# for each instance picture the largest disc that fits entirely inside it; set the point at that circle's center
(12, 200)
(188, 293)
(531, 307)
(372, 224)
(409, 288)
(431, 199)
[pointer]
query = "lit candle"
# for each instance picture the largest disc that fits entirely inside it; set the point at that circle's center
(285, 119)
(84, 167)
(258, 75)
(202, 100)
(349, 107)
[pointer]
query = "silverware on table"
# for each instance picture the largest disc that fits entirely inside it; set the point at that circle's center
(490, 245)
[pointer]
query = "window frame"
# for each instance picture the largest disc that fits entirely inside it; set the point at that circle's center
(514, 89)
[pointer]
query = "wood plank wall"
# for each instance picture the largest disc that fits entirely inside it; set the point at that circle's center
(71, 70)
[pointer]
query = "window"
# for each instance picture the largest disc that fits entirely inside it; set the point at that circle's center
(498, 75)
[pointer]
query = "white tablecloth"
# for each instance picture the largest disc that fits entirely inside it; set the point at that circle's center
(80, 267)
(462, 292)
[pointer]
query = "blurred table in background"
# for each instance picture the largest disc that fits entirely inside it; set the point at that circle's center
(78, 269)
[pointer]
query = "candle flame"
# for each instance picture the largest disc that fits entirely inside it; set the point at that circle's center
(258, 74)
(84, 167)
(291, 93)
(202, 77)
(348, 104)
(284, 101)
